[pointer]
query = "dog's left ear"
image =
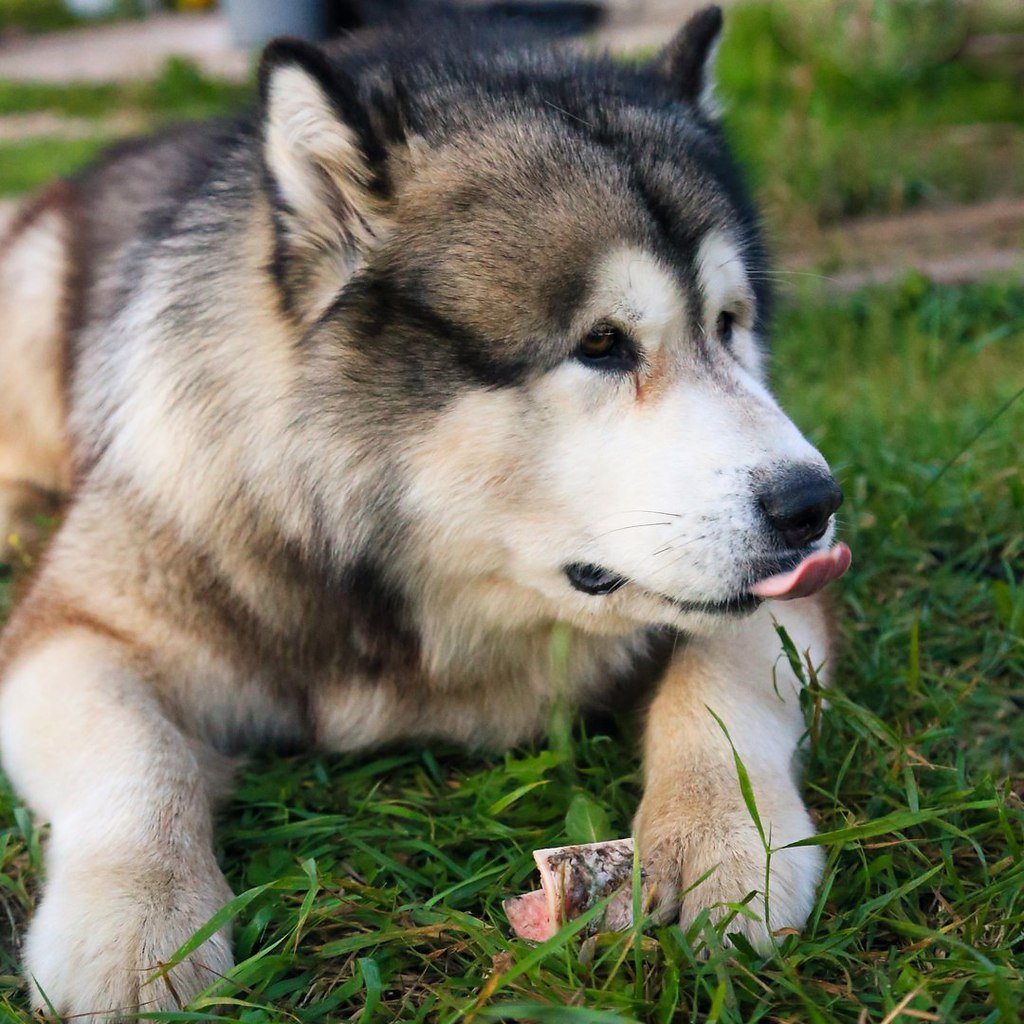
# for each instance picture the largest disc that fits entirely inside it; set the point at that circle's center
(327, 169)
(688, 61)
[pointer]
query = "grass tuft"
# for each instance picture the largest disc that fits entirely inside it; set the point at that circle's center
(827, 139)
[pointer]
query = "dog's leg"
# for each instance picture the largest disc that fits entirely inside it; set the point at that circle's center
(130, 872)
(693, 818)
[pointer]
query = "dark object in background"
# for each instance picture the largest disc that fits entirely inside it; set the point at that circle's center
(255, 22)
(554, 17)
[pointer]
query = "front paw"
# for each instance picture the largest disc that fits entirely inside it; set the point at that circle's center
(679, 848)
(102, 931)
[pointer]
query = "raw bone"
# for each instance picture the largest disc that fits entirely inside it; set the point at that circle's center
(573, 879)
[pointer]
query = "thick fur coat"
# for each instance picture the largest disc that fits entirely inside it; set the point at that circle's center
(353, 402)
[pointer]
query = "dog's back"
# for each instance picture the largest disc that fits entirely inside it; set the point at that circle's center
(35, 276)
(65, 255)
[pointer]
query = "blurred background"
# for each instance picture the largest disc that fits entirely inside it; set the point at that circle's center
(885, 142)
(881, 134)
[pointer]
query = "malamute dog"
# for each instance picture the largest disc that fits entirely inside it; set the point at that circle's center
(354, 402)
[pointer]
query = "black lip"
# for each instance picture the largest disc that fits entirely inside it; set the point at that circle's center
(597, 581)
(594, 579)
(762, 568)
(741, 604)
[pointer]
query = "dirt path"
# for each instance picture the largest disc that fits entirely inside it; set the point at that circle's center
(963, 243)
(44, 125)
(130, 49)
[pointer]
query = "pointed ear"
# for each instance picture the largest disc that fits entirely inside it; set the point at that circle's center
(325, 170)
(688, 61)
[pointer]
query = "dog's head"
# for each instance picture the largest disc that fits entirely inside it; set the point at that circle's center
(535, 288)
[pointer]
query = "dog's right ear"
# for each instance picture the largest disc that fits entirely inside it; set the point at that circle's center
(326, 171)
(687, 63)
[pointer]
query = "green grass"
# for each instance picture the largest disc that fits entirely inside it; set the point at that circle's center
(383, 874)
(26, 164)
(828, 137)
(54, 15)
(35, 16)
(180, 92)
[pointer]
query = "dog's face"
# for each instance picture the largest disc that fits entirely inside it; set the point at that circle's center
(558, 327)
(621, 429)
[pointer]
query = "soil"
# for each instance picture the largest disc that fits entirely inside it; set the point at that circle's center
(951, 245)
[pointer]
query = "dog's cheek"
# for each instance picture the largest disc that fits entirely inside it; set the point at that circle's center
(468, 479)
(636, 477)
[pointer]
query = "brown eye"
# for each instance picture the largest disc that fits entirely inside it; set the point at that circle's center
(599, 342)
(608, 347)
(726, 322)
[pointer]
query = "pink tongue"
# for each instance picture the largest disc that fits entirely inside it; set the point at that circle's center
(813, 573)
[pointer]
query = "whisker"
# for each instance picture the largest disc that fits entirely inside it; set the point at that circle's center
(642, 567)
(562, 110)
(643, 511)
(668, 565)
(769, 275)
(694, 510)
(635, 526)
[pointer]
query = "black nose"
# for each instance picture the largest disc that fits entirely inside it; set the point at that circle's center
(799, 503)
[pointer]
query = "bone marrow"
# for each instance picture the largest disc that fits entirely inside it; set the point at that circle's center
(573, 879)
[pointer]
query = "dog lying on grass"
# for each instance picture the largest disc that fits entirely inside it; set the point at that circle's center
(451, 343)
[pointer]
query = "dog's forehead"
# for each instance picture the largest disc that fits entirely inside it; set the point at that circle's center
(530, 219)
(499, 187)
(511, 221)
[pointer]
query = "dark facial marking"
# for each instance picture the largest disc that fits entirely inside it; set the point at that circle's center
(397, 323)
(724, 327)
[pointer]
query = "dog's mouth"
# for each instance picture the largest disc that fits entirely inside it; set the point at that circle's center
(799, 576)
(592, 579)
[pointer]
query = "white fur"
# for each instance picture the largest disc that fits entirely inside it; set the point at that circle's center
(634, 289)
(130, 875)
(722, 279)
(709, 101)
(306, 140)
(693, 818)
